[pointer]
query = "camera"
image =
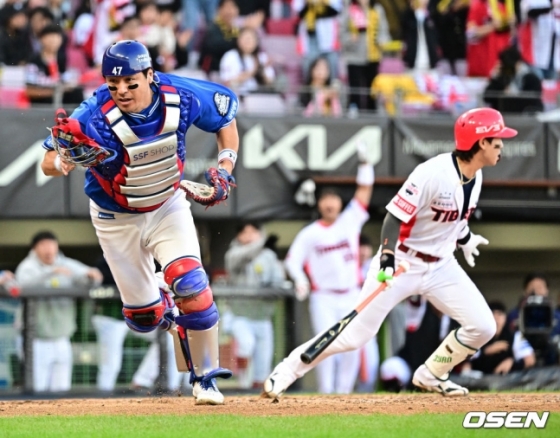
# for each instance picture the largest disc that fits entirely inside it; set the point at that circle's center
(536, 322)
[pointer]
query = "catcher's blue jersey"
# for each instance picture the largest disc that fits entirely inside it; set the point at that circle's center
(208, 106)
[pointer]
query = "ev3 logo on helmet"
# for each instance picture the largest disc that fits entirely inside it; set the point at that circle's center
(497, 127)
(117, 70)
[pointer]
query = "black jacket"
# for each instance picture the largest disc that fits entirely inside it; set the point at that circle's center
(409, 27)
(214, 45)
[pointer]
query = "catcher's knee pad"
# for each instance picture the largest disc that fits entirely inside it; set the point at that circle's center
(202, 320)
(147, 318)
(196, 303)
(186, 277)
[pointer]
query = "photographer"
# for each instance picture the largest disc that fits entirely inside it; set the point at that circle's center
(536, 285)
(507, 351)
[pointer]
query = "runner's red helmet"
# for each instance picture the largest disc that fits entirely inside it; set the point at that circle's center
(477, 124)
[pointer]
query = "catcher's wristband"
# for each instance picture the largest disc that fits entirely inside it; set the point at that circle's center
(465, 239)
(227, 155)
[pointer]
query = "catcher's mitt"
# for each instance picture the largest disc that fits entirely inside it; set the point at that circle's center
(220, 182)
(73, 145)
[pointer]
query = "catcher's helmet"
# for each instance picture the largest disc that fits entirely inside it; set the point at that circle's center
(477, 124)
(125, 58)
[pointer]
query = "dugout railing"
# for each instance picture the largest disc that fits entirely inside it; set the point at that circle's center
(288, 313)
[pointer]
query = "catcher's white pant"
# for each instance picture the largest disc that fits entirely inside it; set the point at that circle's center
(336, 373)
(255, 341)
(130, 242)
(444, 283)
(52, 365)
(111, 334)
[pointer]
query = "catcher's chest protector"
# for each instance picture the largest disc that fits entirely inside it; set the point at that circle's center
(149, 167)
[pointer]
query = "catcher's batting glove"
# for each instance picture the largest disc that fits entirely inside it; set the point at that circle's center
(470, 247)
(302, 290)
(387, 269)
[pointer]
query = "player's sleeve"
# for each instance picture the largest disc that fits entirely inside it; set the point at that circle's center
(217, 105)
(411, 196)
(82, 114)
(297, 257)
(355, 215)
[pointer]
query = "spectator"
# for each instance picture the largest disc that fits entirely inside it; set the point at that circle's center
(246, 68)
(220, 37)
(14, 39)
(252, 13)
(321, 95)
(249, 263)
(507, 351)
(191, 18)
(59, 10)
(109, 14)
(514, 78)
(158, 34)
(130, 29)
(83, 23)
(365, 31)
(46, 266)
(39, 17)
(543, 51)
(318, 32)
(426, 327)
(490, 24)
(45, 72)
(536, 283)
(420, 38)
(450, 18)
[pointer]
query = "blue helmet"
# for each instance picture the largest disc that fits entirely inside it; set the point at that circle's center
(125, 58)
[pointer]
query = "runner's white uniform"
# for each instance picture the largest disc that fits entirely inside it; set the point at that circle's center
(328, 256)
(429, 205)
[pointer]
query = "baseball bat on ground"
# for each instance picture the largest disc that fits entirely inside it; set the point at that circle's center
(331, 334)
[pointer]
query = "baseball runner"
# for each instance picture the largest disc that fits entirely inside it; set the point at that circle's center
(131, 137)
(426, 221)
(324, 258)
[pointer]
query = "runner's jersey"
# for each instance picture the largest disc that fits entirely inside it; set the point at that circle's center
(429, 204)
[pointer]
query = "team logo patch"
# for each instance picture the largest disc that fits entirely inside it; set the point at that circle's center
(222, 103)
(411, 189)
(102, 215)
(404, 205)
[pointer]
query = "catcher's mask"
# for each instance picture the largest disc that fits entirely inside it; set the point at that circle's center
(73, 145)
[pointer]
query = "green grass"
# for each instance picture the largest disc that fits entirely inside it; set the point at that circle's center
(210, 426)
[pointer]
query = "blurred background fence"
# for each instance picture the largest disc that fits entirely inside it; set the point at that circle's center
(18, 330)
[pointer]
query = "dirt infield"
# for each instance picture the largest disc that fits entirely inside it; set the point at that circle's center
(289, 405)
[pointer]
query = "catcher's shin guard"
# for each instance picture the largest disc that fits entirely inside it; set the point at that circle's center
(196, 345)
(451, 352)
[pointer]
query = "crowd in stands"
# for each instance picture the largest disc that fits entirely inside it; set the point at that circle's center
(435, 55)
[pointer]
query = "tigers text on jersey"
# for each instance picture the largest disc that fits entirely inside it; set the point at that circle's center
(429, 204)
(328, 254)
